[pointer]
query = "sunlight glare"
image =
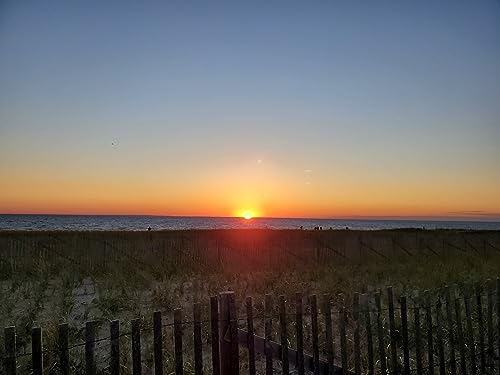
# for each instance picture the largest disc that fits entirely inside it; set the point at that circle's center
(247, 214)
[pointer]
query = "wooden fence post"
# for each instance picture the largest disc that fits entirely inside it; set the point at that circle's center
(490, 324)
(198, 351)
(439, 339)
(380, 334)
(460, 337)
(357, 350)
(179, 365)
(498, 318)
(268, 328)
(214, 327)
(136, 347)
(369, 337)
(284, 335)
(404, 331)
(10, 350)
(343, 340)
(115, 347)
(299, 333)
(470, 332)
(158, 343)
(36, 350)
(90, 367)
(430, 337)
(392, 328)
(451, 336)
(314, 329)
(250, 337)
(228, 335)
(418, 344)
(327, 311)
(63, 349)
(480, 323)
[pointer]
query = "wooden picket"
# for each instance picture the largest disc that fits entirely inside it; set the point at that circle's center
(63, 349)
(158, 343)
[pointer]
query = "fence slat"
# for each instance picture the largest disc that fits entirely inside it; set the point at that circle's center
(268, 327)
(480, 323)
(250, 337)
(314, 328)
(490, 323)
(36, 350)
(380, 334)
(299, 333)
(418, 338)
(198, 351)
(343, 340)
(439, 339)
(158, 343)
(10, 350)
(284, 336)
(136, 347)
(63, 349)
(498, 319)
(228, 335)
(115, 347)
(392, 329)
(214, 328)
(451, 336)
(233, 334)
(404, 332)
(327, 311)
(430, 337)
(460, 337)
(179, 365)
(357, 349)
(90, 366)
(470, 333)
(225, 333)
(369, 337)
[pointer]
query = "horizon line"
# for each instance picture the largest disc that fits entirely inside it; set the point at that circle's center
(493, 217)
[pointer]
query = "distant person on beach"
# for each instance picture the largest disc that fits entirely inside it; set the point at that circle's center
(149, 228)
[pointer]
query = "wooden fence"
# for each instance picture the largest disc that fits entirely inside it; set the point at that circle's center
(453, 330)
(231, 249)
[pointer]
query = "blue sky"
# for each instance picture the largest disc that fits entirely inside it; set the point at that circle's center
(386, 94)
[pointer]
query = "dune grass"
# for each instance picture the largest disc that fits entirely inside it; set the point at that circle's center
(54, 291)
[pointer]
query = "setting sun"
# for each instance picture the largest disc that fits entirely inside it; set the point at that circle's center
(247, 214)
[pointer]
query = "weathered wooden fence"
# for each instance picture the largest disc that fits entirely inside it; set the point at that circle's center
(453, 330)
(233, 249)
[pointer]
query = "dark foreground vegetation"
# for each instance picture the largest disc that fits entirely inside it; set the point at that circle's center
(49, 278)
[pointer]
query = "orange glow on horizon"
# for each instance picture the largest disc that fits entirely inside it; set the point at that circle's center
(263, 189)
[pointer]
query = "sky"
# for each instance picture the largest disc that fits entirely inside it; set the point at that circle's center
(285, 108)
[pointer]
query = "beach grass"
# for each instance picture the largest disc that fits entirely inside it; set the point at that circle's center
(50, 288)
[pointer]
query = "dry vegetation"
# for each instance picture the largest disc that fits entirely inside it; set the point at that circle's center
(55, 289)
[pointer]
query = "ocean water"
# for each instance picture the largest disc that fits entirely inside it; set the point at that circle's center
(78, 222)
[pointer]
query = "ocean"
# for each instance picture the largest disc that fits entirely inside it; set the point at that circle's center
(134, 223)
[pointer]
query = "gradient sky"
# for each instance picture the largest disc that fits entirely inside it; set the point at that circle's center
(317, 109)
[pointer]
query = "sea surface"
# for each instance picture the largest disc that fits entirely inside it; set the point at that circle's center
(77, 222)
